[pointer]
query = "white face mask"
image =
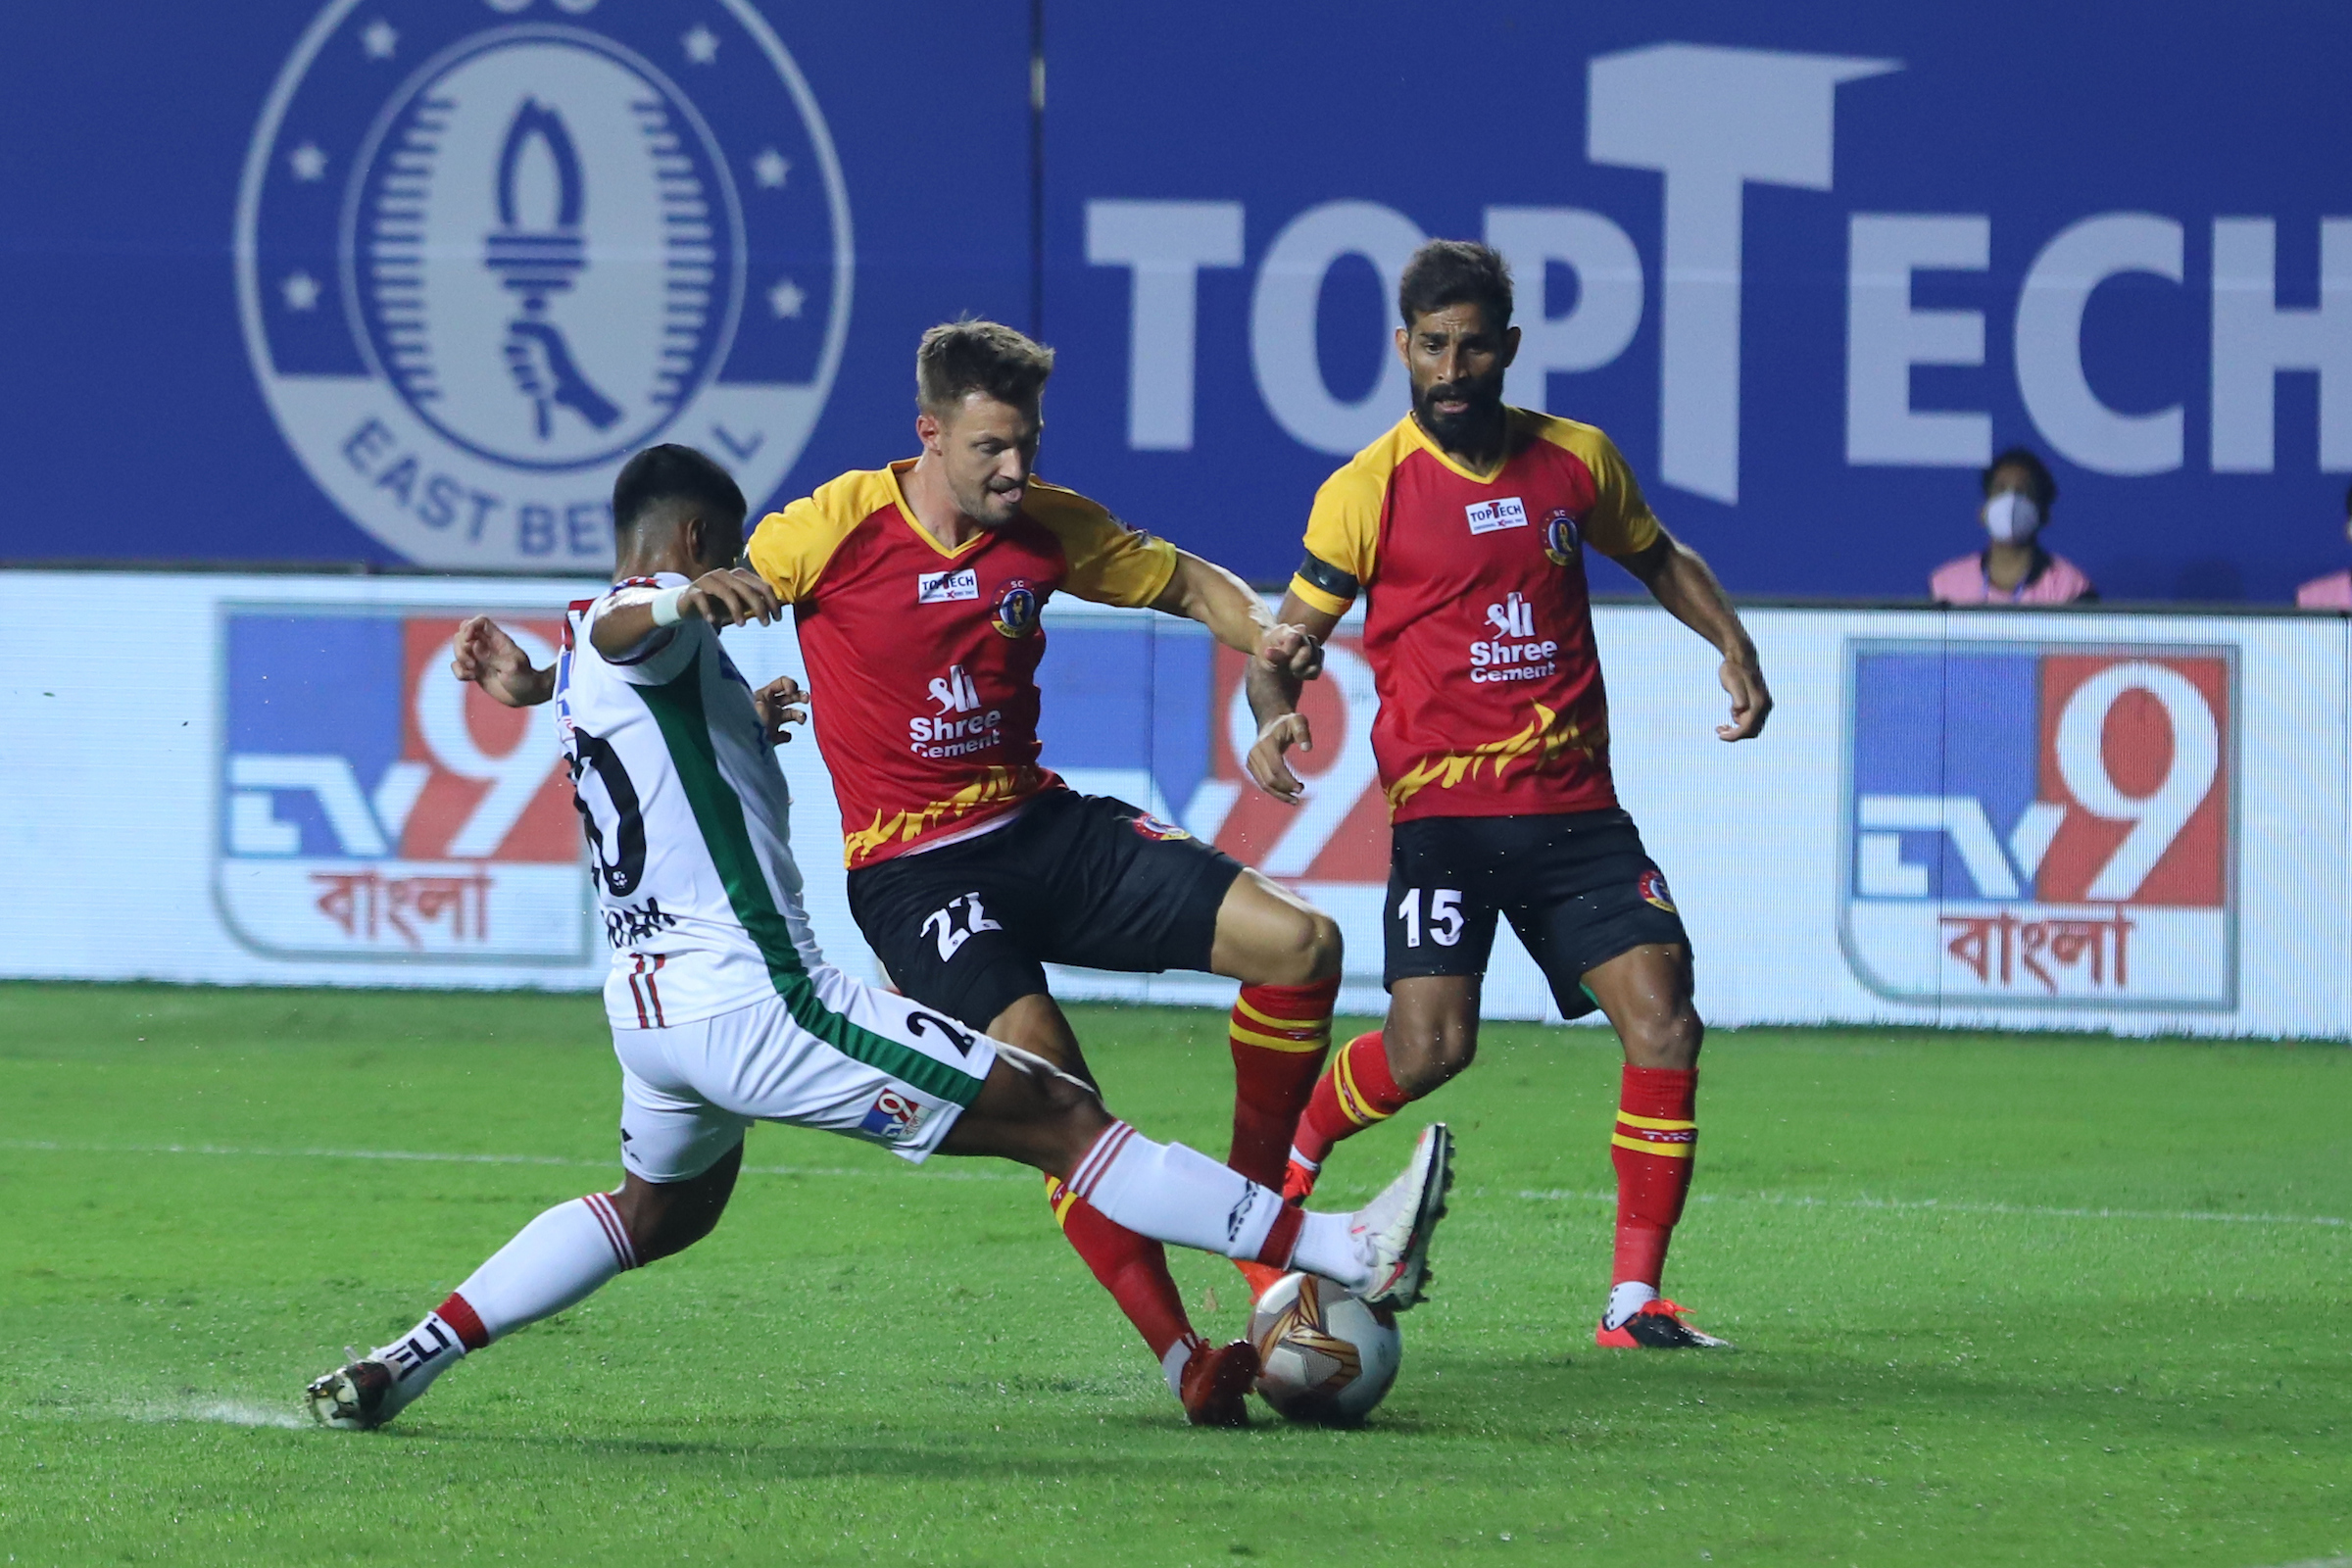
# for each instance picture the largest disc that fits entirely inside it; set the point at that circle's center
(2012, 517)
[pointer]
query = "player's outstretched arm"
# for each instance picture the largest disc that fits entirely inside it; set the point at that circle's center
(1290, 654)
(730, 597)
(1203, 591)
(1678, 578)
(482, 652)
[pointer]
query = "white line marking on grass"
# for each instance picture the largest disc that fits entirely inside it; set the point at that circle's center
(1934, 1206)
(1557, 1194)
(434, 1158)
(230, 1413)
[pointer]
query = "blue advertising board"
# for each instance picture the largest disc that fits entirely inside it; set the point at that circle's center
(400, 280)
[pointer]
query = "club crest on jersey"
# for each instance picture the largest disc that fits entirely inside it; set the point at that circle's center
(945, 587)
(1152, 827)
(1654, 891)
(485, 252)
(1016, 609)
(893, 1117)
(1560, 539)
(1492, 517)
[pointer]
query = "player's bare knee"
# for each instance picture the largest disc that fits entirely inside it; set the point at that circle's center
(1301, 949)
(1422, 1058)
(1666, 1039)
(1324, 947)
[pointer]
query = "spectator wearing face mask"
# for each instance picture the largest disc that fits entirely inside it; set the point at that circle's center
(2334, 591)
(2014, 568)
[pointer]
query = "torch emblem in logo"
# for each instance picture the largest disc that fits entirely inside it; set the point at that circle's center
(479, 266)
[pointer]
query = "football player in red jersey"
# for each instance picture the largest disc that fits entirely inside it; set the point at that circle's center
(916, 589)
(1466, 526)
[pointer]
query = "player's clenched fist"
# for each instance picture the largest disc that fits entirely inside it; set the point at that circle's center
(1293, 649)
(1269, 767)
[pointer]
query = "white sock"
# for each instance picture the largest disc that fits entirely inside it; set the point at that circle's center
(1626, 1297)
(554, 1261)
(1326, 1247)
(1179, 1357)
(419, 1357)
(1173, 1194)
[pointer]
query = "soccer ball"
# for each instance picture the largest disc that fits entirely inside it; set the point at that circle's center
(1326, 1356)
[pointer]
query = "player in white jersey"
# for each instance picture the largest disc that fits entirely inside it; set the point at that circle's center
(724, 1012)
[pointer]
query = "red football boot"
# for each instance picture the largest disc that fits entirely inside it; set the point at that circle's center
(1215, 1382)
(1658, 1326)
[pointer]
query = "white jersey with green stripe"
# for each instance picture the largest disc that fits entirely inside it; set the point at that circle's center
(688, 820)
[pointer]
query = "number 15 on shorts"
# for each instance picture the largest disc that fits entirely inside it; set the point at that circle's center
(1444, 922)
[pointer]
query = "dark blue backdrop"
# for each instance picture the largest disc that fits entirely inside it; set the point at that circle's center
(1879, 194)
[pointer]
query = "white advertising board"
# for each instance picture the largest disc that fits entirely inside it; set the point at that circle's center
(1992, 819)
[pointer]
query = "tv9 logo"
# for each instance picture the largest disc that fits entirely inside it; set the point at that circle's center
(2046, 824)
(372, 804)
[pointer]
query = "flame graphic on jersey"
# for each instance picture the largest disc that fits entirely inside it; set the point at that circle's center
(997, 784)
(1540, 740)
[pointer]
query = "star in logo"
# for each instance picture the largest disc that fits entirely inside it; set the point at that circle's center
(787, 298)
(770, 167)
(301, 291)
(379, 39)
(307, 162)
(702, 45)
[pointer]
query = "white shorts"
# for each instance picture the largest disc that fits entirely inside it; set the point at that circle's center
(837, 1054)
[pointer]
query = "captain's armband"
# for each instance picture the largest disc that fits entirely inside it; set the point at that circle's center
(1325, 586)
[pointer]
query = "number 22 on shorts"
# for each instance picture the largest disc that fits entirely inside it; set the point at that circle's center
(958, 923)
(1445, 917)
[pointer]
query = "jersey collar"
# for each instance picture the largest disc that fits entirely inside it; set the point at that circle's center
(898, 494)
(1510, 448)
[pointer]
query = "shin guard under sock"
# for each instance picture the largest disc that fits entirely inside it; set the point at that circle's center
(1133, 1268)
(1651, 1148)
(1280, 1036)
(1356, 1093)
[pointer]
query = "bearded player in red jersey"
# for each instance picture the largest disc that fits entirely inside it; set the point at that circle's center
(916, 589)
(1466, 525)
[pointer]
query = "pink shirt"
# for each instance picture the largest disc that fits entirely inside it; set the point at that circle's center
(2059, 581)
(2331, 592)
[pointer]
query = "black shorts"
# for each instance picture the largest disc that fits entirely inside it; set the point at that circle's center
(968, 928)
(1577, 886)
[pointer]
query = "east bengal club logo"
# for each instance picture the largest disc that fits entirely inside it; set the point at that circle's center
(486, 249)
(1653, 890)
(1560, 539)
(1016, 609)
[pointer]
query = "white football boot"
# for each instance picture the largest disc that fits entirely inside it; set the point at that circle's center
(359, 1396)
(1392, 1232)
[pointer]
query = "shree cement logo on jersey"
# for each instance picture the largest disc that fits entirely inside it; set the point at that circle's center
(2051, 826)
(486, 249)
(374, 807)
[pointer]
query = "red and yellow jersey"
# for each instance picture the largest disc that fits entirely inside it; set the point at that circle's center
(1479, 629)
(922, 661)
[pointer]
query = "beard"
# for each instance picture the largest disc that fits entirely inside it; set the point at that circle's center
(1480, 416)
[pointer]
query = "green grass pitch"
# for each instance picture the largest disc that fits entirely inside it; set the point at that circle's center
(2000, 1300)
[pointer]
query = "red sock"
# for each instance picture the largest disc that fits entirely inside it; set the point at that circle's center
(459, 1313)
(1651, 1150)
(1357, 1092)
(1133, 1268)
(1280, 1036)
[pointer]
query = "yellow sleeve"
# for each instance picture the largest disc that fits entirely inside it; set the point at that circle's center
(1620, 522)
(1343, 534)
(1109, 562)
(790, 548)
